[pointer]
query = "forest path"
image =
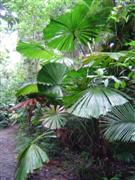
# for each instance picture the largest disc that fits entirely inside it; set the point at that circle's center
(7, 154)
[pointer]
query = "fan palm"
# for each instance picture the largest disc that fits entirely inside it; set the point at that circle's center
(31, 158)
(27, 89)
(76, 27)
(34, 50)
(120, 124)
(49, 81)
(50, 78)
(96, 101)
(54, 117)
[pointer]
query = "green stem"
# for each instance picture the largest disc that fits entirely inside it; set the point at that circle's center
(46, 134)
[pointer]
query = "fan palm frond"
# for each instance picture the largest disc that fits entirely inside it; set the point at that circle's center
(31, 158)
(54, 117)
(96, 101)
(52, 73)
(120, 124)
(50, 78)
(79, 26)
(27, 89)
(36, 51)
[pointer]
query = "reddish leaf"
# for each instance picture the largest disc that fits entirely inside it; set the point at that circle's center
(28, 102)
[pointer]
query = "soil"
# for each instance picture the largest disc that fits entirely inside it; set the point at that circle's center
(7, 154)
(59, 169)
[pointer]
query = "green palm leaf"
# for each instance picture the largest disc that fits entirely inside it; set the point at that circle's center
(52, 73)
(54, 117)
(35, 51)
(63, 33)
(31, 159)
(50, 78)
(121, 124)
(27, 89)
(96, 101)
(79, 26)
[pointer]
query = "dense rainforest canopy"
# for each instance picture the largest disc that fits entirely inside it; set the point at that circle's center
(67, 70)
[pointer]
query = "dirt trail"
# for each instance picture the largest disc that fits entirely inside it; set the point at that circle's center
(7, 154)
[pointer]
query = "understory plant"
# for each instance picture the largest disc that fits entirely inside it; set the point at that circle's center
(93, 92)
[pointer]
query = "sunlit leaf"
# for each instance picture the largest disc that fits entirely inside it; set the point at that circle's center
(35, 51)
(96, 101)
(132, 43)
(73, 27)
(27, 89)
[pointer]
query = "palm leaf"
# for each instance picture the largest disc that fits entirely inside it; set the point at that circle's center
(79, 26)
(35, 51)
(63, 32)
(31, 159)
(54, 117)
(106, 58)
(50, 78)
(52, 73)
(27, 89)
(51, 91)
(120, 124)
(96, 101)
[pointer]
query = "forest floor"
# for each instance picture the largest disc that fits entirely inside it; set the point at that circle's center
(58, 169)
(7, 154)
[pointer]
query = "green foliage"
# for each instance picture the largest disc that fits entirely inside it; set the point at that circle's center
(52, 73)
(132, 43)
(90, 86)
(27, 89)
(49, 81)
(30, 159)
(96, 101)
(32, 156)
(111, 69)
(10, 78)
(79, 26)
(54, 117)
(50, 78)
(4, 117)
(72, 27)
(122, 25)
(35, 51)
(120, 124)
(33, 16)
